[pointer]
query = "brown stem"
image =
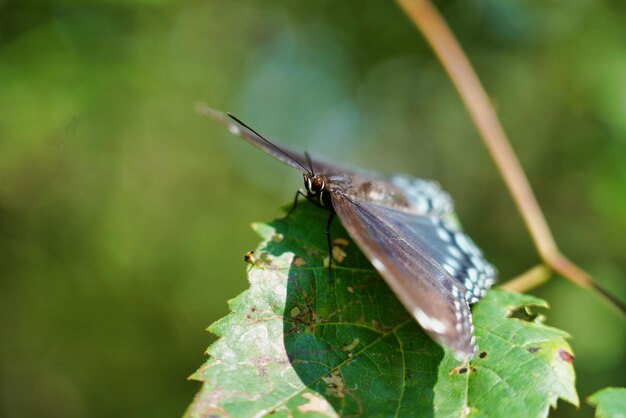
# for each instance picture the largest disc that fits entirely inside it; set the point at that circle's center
(449, 52)
(460, 71)
(534, 277)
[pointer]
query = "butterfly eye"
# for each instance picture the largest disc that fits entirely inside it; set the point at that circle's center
(317, 184)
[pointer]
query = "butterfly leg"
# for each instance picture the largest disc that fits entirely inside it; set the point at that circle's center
(295, 203)
(330, 244)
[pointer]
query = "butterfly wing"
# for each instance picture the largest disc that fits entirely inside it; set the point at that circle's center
(428, 209)
(407, 229)
(289, 155)
(423, 197)
(402, 246)
(442, 233)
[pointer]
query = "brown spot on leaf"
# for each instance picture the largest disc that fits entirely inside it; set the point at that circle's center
(534, 349)
(566, 356)
(381, 327)
(352, 345)
(336, 386)
(339, 254)
(482, 354)
(462, 370)
(315, 404)
(299, 262)
(341, 241)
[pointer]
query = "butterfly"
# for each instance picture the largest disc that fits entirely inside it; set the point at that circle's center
(406, 227)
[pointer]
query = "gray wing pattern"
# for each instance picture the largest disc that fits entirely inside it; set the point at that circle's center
(391, 239)
(441, 235)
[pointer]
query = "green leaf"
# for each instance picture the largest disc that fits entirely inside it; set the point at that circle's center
(609, 403)
(298, 343)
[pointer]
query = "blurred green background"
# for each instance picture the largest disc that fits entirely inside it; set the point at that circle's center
(124, 215)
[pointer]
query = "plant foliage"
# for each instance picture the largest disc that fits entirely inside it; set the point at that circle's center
(609, 403)
(299, 343)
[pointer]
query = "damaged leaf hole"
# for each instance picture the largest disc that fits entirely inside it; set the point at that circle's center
(524, 313)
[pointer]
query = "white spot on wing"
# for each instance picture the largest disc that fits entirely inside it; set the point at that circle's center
(455, 252)
(429, 323)
(449, 269)
(443, 234)
(234, 129)
(378, 264)
(462, 242)
(452, 262)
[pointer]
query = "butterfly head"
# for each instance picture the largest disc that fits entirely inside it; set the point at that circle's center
(314, 184)
(316, 189)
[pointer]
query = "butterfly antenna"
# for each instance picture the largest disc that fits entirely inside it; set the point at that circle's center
(282, 151)
(308, 158)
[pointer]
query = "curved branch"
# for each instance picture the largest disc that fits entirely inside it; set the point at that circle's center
(436, 31)
(534, 277)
